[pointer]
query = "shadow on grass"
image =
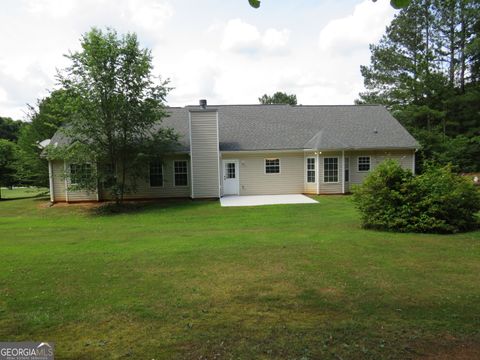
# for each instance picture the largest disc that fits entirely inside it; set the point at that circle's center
(135, 207)
(36, 197)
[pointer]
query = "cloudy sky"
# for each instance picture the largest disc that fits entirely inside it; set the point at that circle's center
(220, 50)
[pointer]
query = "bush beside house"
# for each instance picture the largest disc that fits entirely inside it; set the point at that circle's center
(437, 201)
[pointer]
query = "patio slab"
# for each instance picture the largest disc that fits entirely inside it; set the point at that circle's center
(259, 200)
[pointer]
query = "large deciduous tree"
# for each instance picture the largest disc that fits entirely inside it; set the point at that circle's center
(7, 163)
(45, 119)
(114, 127)
(279, 98)
(9, 128)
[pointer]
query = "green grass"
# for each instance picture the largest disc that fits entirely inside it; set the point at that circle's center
(192, 280)
(18, 193)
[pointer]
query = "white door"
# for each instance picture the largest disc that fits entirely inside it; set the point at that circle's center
(231, 183)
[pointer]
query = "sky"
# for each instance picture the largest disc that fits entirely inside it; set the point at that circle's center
(222, 51)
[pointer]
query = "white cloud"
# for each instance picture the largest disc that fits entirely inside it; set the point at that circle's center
(205, 54)
(276, 40)
(354, 32)
(242, 37)
(149, 14)
(40, 32)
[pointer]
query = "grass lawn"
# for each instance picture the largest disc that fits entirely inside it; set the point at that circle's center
(17, 193)
(192, 280)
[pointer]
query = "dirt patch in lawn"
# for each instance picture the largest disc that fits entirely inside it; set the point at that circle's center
(451, 351)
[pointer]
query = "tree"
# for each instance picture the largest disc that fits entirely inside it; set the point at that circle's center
(424, 70)
(9, 129)
(118, 106)
(278, 98)
(397, 4)
(7, 161)
(46, 118)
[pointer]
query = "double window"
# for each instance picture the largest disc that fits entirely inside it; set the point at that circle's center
(156, 173)
(79, 173)
(310, 170)
(363, 163)
(272, 166)
(180, 172)
(330, 170)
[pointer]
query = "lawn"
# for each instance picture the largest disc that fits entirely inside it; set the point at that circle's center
(192, 280)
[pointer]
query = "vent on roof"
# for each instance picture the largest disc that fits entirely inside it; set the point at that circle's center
(203, 103)
(375, 131)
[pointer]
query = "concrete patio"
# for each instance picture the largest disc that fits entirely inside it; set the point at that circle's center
(259, 200)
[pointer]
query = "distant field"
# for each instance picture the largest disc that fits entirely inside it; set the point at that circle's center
(191, 280)
(16, 193)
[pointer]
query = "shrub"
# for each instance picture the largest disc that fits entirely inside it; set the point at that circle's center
(439, 201)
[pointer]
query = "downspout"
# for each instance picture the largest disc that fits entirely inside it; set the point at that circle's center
(343, 171)
(50, 179)
(318, 173)
(66, 182)
(413, 162)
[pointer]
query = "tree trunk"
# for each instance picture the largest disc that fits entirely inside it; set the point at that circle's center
(451, 38)
(463, 40)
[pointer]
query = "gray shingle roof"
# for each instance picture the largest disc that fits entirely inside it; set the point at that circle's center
(285, 127)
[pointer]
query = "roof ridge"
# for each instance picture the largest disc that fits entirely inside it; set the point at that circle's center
(293, 106)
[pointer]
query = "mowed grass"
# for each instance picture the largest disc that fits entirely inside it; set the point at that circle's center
(23, 192)
(192, 280)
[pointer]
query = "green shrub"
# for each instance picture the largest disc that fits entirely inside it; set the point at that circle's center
(439, 201)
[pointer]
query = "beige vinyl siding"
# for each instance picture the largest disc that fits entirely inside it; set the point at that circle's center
(58, 178)
(78, 195)
(205, 155)
(168, 190)
(404, 157)
(331, 188)
(254, 180)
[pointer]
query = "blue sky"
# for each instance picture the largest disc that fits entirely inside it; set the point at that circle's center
(223, 51)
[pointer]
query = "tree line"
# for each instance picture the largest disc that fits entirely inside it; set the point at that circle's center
(426, 70)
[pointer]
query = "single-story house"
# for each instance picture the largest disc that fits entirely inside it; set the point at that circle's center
(262, 150)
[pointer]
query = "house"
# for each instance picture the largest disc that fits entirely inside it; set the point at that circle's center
(261, 150)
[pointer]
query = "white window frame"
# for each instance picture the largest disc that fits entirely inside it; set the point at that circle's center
(338, 170)
(70, 171)
(149, 175)
(279, 166)
(173, 172)
(314, 170)
(369, 163)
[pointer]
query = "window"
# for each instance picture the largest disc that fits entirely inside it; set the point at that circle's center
(180, 173)
(330, 170)
(310, 170)
(272, 166)
(230, 171)
(156, 173)
(347, 169)
(364, 163)
(79, 173)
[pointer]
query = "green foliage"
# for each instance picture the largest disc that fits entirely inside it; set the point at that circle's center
(254, 3)
(279, 98)
(426, 70)
(9, 128)
(117, 110)
(437, 201)
(8, 156)
(50, 113)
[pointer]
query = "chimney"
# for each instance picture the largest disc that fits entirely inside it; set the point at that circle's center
(203, 103)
